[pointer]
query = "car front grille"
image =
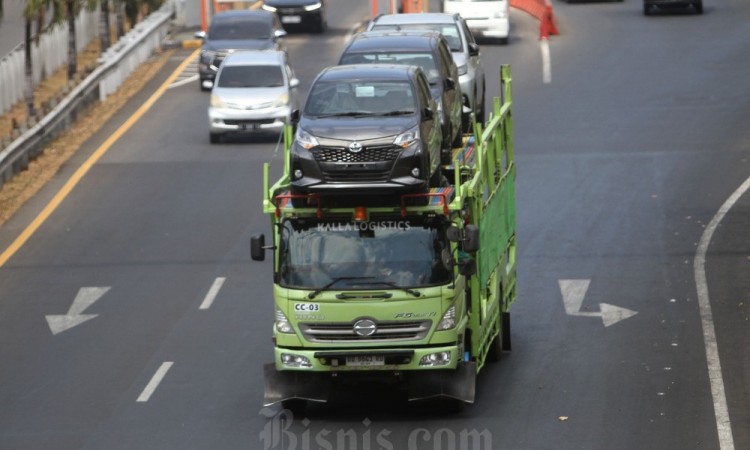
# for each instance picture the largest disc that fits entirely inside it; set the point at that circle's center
(342, 332)
(370, 153)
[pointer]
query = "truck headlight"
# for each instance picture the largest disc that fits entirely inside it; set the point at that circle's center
(448, 322)
(305, 139)
(407, 138)
(436, 359)
(282, 323)
(291, 360)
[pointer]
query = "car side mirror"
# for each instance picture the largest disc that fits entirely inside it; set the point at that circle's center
(450, 84)
(200, 35)
(258, 247)
(473, 49)
(294, 82)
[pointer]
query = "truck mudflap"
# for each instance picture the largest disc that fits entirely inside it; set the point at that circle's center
(458, 384)
(290, 384)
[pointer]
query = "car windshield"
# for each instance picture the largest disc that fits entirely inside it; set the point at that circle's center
(449, 30)
(402, 253)
(360, 97)
(250, 76)
(240, 30)
(423, 60)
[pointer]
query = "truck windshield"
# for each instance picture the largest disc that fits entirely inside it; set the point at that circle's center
(312, 253)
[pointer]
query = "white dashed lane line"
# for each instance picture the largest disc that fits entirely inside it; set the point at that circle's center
(155, 380)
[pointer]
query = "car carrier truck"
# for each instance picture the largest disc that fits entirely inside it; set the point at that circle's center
(412, 289)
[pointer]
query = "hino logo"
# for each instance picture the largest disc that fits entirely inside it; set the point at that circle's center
(355, 147)
(365, 327)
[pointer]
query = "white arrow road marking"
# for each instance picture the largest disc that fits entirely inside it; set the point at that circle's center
(86, 297)
(573, 293)
(161, 372)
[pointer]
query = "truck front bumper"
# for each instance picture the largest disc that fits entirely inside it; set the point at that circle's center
(450, 378)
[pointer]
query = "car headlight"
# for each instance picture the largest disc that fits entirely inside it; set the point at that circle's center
(448, 322)
(282, 100)
(463, 69)
(500, 14)
(268, 8)
(407, 138)
(305, 139)
(313, 7)
(207, 56)
(282, 323)
(217, 102)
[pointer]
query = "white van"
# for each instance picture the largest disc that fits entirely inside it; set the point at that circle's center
(486, 18)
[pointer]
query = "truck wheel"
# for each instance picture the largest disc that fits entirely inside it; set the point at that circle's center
(297, 406)
(495, 353)
(506, 332)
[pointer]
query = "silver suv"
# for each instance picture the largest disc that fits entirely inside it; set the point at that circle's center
(464, 48)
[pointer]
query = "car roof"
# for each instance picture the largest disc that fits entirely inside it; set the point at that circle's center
(394, 40)
(254, 57)
(410, 18)
(239, 14)
(369, 71)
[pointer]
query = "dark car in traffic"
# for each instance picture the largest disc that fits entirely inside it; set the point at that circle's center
(367, 129)
(310, 14)
(236, 30)
(651, 6)
(428, 50)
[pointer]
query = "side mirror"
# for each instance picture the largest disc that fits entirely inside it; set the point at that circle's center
(467, 267)
(257, 247)
(453, 233)
(446, 257)
(473, 49)
(450, 84)
(471, 238)
(293, 83)
(200, 35)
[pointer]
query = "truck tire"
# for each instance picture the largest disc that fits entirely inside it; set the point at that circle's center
(506, 331)
(495, 353)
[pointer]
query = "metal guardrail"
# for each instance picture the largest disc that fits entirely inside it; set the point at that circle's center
(115, 65)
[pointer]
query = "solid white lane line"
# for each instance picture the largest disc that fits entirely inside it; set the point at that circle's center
(212, 293)
(721, 411)
(155, 380)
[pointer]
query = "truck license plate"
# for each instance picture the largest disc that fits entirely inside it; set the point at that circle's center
(365, 360)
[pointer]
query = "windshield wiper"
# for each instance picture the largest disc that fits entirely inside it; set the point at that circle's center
(396, 113)
(346, 114)
(315, 293)
(394, 285)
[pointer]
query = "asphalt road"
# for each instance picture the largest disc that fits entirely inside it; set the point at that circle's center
(624, 161)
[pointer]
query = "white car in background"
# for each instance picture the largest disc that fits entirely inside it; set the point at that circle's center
(254, 91)
(488, 19)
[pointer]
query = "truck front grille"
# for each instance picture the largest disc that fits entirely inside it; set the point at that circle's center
(342, 332)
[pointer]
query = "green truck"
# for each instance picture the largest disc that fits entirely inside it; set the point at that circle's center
(413, 289)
